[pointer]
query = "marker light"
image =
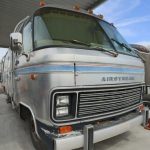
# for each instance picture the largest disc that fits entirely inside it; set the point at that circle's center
(90, 11)
(76, 7)
(65, 129)
(42, 3)
(112, 24)
(33, 76)
(101, 16)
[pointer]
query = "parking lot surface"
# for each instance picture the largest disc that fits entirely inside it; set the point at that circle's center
(14, 134)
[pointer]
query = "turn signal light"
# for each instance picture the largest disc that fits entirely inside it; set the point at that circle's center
(65, 129)
(33, 76)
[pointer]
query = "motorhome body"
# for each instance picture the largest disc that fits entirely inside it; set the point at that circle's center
(69, 71)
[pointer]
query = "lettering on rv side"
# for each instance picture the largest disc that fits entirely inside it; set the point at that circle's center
(115, 79)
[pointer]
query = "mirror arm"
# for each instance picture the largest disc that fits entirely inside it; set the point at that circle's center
(27, 56)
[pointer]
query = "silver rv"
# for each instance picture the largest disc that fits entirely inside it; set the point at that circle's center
(73, 77)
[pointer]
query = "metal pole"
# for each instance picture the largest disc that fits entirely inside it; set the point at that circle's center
(145, 116)
(88, 137)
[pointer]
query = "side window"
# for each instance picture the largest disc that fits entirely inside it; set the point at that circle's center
(27, 38)
(41, 34)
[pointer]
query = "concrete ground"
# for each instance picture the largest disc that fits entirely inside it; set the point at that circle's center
(14, 134)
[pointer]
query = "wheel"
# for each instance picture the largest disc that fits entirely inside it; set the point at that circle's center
(8, 100)
(35, 139)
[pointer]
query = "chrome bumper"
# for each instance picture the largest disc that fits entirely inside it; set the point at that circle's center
(77, 141)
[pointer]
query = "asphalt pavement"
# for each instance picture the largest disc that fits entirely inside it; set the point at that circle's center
(14, 134)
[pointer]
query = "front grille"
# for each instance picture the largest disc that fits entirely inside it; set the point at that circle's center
(107, 101)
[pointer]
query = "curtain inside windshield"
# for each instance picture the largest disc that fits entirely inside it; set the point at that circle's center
(55, 27)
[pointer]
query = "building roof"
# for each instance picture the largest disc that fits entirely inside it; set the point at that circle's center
(12, 11)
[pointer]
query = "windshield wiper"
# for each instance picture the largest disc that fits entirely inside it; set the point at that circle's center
(73, 42)
(130, 49)
(95, 47)
(122, 44)
(79, 42)
(113, 53)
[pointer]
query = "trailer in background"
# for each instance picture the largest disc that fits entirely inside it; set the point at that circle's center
(145, 55)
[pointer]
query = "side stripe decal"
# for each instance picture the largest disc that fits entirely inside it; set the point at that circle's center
(67, 68)
(108, 69)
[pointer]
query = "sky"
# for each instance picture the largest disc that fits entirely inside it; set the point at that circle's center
(131, 17)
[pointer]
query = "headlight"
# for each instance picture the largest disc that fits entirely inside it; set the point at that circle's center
(62, 100)
(64, 105)
(62, 111)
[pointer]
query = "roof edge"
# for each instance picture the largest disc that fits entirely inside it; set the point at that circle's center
(96, 4)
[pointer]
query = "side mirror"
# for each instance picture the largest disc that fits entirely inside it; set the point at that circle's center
(16, 42)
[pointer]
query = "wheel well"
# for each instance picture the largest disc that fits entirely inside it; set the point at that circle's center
(25, 112)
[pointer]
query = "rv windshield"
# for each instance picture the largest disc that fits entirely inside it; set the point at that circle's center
(61, 28)
(119, 42)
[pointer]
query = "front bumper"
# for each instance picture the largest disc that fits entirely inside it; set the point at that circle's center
(77, 141)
